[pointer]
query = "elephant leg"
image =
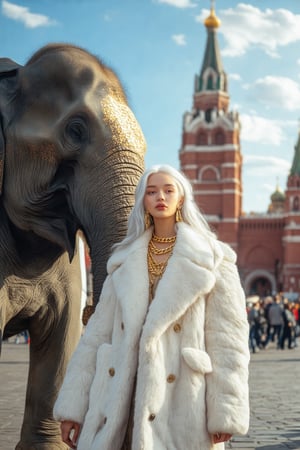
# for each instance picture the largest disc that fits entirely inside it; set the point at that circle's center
(54, 333)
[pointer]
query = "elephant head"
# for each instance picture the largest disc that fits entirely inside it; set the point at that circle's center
(71, 150)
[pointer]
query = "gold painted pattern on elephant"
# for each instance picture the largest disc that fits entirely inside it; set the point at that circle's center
(125, 130)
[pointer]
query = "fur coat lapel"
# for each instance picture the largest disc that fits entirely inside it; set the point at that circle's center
(188, 274)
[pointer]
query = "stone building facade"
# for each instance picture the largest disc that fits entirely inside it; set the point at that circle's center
(267, 245)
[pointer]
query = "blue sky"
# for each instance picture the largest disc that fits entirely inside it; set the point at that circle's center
(157, 46)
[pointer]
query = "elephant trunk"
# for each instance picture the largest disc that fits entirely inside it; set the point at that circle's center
(124, 148)
(120, 178)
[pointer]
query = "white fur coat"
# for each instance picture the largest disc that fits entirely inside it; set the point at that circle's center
(189, 351)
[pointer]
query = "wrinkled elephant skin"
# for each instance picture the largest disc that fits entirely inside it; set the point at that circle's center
(71, 153)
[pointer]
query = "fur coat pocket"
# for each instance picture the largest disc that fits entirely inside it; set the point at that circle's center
(197, 360)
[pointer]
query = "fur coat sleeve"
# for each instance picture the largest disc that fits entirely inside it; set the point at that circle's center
(226, 333)
(73, 398)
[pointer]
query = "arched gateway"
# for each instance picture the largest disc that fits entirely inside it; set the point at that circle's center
(260, 282)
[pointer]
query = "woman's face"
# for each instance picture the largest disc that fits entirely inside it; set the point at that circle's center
(162, 196)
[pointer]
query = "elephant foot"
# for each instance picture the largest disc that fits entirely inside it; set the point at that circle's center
(42, 446)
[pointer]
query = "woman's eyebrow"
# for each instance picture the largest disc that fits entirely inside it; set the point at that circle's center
(165, 185)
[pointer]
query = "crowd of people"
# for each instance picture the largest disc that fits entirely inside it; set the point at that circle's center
(273, 319)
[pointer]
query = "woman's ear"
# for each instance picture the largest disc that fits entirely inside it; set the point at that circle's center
(181, 201)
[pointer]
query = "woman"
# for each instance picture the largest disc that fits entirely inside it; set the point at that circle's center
(163, 363)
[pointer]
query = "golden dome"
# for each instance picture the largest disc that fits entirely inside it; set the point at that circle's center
(212, 20)
(278, 195)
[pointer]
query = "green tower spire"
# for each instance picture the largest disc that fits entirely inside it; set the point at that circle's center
(295, 169)
(212, 76)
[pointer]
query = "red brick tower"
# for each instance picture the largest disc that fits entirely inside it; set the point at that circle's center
(291, 236)
(210, 153)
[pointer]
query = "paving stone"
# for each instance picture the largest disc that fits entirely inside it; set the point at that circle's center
(274, 399)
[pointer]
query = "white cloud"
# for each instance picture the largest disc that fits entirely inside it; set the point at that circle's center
(179, 39)
(261, 130)
(179, 3)
(23, 14)
(236, 107)
(276, 91)
(246, 26)
(262, 165)
(234, 76)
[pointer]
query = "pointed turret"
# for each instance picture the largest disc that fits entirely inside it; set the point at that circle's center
(293, 181)
(291, 236)
(212, 76)
(295, 169)
(211, 90)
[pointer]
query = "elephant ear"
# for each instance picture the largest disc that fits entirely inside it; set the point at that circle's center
(8, 77)
(2, 152)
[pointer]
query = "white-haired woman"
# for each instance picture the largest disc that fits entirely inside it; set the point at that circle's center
(163, 363)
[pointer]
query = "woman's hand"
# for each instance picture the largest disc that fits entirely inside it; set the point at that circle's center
(70, 432)
(221, 437)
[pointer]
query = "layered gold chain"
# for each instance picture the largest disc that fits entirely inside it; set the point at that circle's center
(156, 269)
(159, 251)
(171, 239)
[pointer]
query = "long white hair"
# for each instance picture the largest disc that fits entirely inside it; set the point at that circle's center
(189, 211)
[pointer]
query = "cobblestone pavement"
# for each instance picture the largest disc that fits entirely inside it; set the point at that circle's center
(13, 376)
(274, 399)
(274, 402)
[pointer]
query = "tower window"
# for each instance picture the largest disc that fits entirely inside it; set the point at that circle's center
(210, 83)
(209, 174)
(219, 138)
(208, 115)
(296, 204)
(201, 139)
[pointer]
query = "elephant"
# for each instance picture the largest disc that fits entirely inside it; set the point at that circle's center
(71, 154)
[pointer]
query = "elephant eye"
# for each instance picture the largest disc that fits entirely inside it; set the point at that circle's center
(77, 132)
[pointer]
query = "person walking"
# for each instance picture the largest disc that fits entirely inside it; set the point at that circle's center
(255, 332)
(295, 310)
(269, 330)
(288, 329)
(163, 362)
(276, 320)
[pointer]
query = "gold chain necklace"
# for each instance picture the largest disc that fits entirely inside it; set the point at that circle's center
(171, 239)
(156, 269)
(159, 251)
